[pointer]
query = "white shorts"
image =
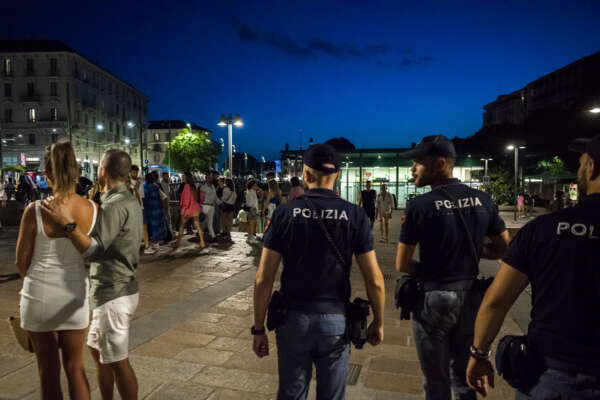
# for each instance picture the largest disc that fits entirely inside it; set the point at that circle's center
(109, 330)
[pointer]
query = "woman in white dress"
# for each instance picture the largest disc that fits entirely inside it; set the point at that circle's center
(54, 299)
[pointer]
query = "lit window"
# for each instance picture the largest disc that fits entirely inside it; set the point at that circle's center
(31, 114)
(156, 137)
(54, 114)
(7, 67)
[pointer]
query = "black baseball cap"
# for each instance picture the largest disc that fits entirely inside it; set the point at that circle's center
(437, 145)
(589, 146)
(318, 155)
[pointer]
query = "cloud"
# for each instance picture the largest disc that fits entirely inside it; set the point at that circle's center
(309, 48)
(408, 62)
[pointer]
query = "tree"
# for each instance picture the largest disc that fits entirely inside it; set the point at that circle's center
(553, 167)
(501, 187)
(191, 151)
(341, 144)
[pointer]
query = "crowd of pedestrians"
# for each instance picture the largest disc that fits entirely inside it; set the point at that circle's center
(316, 234)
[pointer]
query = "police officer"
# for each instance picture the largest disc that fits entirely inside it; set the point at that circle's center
(558, 254)
(449, 223)
(314, 281)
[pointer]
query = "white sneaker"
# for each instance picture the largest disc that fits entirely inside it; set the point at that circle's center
(155, 246)
(149, 251)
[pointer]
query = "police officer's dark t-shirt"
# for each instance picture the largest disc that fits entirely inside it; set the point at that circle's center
(311, 270)
(559, 253)
(445, 250)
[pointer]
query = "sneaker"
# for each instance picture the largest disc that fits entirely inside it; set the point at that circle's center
(149, 251)
(155, 246)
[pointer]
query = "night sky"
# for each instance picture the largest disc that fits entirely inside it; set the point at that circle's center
(381, 73)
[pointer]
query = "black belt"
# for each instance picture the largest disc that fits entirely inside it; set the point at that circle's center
(320, 307)
(466, 284)
(560, 365)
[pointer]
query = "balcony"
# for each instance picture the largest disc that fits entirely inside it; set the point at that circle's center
(31, 98)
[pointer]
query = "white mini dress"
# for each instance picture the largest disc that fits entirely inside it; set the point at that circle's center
(56, 288)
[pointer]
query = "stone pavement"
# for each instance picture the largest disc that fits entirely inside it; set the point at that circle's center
(190, 336)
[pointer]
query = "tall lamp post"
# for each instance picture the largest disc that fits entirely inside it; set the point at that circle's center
(516, 149)
(229, 122)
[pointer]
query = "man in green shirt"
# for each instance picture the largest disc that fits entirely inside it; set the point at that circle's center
(113, 249)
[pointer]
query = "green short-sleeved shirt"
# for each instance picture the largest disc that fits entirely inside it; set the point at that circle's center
(115, 248)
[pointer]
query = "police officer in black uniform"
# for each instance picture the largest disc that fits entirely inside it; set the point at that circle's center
(449, 223)
(315, 282)
(558, 254)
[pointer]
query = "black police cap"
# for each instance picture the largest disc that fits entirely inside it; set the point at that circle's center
(320, 154)
(589, 146)
(436, 145)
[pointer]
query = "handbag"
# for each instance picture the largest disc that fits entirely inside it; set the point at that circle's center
(517, 363)
(277, 311)
(21, 335)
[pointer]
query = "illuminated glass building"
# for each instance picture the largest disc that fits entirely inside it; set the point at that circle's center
(380, 166)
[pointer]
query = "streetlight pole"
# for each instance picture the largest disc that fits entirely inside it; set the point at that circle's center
(230, 121)
(516, 149)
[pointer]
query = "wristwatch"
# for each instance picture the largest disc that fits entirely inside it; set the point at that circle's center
(254, 331)
(70, 227)
(479, 354)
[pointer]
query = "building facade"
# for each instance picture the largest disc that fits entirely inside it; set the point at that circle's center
(575, 86)
(48, 92)
(160, 134)
(380, 166)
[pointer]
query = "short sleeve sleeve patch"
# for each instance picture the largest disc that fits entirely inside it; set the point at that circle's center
(410, 232)
(497, 225)
(272, 239)
(517, 254)
(364, 238)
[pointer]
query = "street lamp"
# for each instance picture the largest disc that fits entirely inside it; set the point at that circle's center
(229, 122)
(516, 149)
(595, 110)
(131, 124)
(486, 165)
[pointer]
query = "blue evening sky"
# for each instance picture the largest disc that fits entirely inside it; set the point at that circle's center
(382, 73)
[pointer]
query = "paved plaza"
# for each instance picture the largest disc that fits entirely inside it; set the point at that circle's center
(190, 337)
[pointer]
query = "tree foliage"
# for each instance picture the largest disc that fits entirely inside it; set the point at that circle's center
(13, 168)
(191, 151)
(501, 187)
(553, 167)
(340, 144)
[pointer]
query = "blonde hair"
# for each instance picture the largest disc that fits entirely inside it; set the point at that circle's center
(62, 165)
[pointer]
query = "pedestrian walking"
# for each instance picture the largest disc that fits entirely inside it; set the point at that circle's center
(252, 209)
(137, 189)
(228, 207)
(113, 249)
(218, 220)
(315, 282)
(296, 191)
(558, 255)
(190, 208)
(153, 212)
(210, 202)
(165, 187)
(449, 224)
(54, 301)
(383, 211)
(520, 205)
(271, 201)
(3, 196)
(367, 201)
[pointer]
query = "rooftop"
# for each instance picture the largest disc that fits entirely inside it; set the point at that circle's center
(175, 124)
